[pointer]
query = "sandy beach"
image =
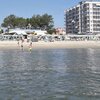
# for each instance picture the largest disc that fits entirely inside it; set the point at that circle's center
(5, 45)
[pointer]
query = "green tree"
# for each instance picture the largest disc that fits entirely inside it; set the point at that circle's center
(51, 31)
(1, 30)
(44, 22)
(35, 21)
(9, 21)
(47, 22)
(21, 22)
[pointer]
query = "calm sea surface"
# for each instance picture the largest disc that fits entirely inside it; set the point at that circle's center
(64, 74)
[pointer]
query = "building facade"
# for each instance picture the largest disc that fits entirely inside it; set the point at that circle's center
(84, 18)
(60, 31)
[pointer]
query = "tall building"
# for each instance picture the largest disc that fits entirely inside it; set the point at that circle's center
(83, 18)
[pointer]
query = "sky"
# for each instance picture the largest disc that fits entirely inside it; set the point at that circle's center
(28, 8)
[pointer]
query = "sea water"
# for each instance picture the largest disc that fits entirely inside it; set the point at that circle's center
(57, 74)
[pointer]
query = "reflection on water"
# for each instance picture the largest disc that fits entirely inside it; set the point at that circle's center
(65, 74)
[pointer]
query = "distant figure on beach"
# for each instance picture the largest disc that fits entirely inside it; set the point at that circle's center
(18, 43)
(22, 39)
(30, 46)
(22, 46)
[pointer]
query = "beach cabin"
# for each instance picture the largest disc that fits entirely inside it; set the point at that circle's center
(20, 33)
(40, 32)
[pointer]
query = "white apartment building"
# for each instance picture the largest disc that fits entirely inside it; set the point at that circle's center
(83, 18)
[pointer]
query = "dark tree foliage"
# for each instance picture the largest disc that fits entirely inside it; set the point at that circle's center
(21, 22)
(9, 21)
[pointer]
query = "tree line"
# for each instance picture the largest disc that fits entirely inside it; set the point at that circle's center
(43, 22)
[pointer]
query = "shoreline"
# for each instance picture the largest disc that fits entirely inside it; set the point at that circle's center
(12, 45)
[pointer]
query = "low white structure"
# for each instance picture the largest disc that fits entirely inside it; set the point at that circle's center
(40, 32)
(27, 31)
(18, 32)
